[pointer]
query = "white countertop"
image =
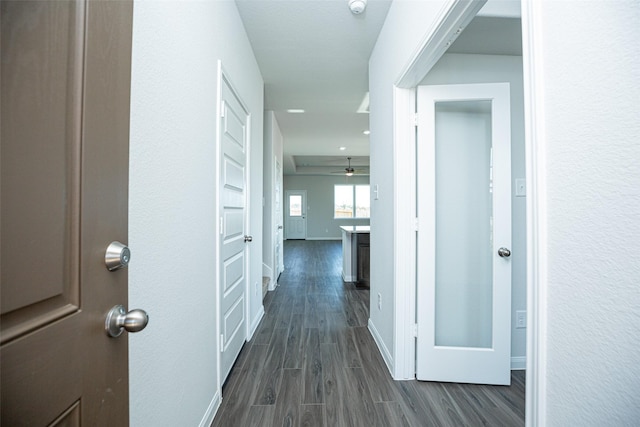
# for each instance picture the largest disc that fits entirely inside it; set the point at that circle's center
(354, 229)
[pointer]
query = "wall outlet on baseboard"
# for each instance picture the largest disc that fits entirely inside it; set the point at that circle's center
(379, 301)
(521, 319)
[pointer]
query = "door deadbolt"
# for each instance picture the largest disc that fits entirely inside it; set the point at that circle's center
(248, 238)
(118, 320)
(117, 256)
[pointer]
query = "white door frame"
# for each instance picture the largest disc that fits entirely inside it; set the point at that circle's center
(457, 14)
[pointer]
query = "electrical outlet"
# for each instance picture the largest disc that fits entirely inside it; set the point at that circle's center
(379, 301)
(521, 319)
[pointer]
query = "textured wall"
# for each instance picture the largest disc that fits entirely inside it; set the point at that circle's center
(406, 25)
(176, 46)
(589, 75)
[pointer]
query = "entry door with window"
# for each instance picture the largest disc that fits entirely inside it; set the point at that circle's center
(296, 214)
(234, 262)
(66, 69)
(464, 238)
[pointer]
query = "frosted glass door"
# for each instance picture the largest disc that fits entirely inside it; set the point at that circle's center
(463, 224)
(464, 217)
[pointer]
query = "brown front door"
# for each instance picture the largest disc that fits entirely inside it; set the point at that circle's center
(65, 82)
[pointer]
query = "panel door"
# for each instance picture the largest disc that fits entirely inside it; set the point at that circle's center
(233, 252)
(296, 214)
(65, 82)
(464, 210)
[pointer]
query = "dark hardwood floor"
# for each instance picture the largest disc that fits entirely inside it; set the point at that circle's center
(313, 362)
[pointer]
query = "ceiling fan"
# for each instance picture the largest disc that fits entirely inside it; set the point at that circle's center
(349, 171)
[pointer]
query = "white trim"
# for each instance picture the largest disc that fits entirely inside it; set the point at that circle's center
(386, 354)
(532, 57)
(404, 205)
(349, 279)
(218, 225)
(323, 238)
(209, 415)
(451, 20)
(519, 363)
(255, 323)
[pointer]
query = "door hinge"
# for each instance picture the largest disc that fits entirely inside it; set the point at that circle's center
(222, 226)
(414, 119)
(415, 330)
(222, 109)
(416, 224)
(221, 343)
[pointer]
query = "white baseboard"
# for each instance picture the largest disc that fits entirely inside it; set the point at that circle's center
(272, 285)
(349, 278)
(324, 238)
(208, 417)
(266, 270)
(255, 323)
(386, 354)
(518, 363)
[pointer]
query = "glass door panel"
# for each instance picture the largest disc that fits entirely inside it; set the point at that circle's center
(464, 217)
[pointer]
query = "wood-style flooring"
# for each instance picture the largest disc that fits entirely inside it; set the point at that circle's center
(313, 362)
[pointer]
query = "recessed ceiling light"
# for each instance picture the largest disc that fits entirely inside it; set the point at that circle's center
(295, 110)
(343, 148)
(366, 132)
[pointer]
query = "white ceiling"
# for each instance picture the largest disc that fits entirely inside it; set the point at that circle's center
(314, 55)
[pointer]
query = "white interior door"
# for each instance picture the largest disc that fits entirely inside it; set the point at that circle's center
(296, 214)
(233, 222)
(464, 210)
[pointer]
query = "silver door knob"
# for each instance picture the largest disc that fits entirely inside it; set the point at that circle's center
(504, 252)
(118, 320)
(117, 256)
(248, 238)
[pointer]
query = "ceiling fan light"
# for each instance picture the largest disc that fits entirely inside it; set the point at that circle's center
(349, 174)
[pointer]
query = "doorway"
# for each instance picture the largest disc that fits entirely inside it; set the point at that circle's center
(295, 215)
(437, 67)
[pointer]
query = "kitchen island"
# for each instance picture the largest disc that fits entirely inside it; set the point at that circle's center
(355, 254)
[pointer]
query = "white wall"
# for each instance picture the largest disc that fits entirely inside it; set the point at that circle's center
(457, 68)
(172, 217)
(273, 146)
(589, 209)
(321, 224)
(406, 25)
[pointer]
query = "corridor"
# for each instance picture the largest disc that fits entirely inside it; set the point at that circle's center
(313, 362)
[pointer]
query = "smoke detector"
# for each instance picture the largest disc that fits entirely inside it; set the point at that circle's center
(357, 6)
